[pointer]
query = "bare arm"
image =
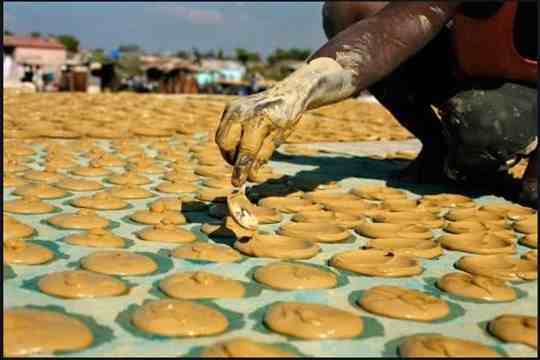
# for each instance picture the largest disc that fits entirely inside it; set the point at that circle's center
(373, 47)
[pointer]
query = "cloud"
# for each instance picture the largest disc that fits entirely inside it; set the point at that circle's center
(194, 16)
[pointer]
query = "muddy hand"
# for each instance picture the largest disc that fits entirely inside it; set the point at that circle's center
(251, 128)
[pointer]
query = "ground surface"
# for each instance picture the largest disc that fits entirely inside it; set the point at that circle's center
(347, 163)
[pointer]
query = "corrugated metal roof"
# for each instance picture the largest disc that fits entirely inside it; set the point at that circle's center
(32, 42)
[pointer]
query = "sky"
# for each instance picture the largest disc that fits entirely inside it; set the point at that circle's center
(172, 26)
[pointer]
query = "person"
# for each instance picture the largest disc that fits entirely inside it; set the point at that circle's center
(38, 78)
(28, 74)
(461, 76)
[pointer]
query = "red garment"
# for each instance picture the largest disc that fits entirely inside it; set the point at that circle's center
(485, 48)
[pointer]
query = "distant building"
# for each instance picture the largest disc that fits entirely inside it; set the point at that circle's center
(48, 53)
(171, 75)
(214, 70)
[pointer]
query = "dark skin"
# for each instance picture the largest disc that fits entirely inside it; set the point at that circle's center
(395, 26)
(400, 51)
(345, 21)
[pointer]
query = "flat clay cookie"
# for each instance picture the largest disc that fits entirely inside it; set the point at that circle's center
(476, 287)
(472, 214)
(91, 171)
(288, 205)
(530, 240)
(211, 194)
(342, 219)
(129, 178)
(42, 191)
(179, 318)
(46, 176)
(78, 284)
(157, 214)
(478, 243)
(81, 220)
(169, 203)
(447, 201)
(466, 226)
(39, 332)
(531, 256)
(100, 238)
(408, 217)
(527, 225)
(243, 347)
(516, 329)
(385, 230)
(166, 232)
(503, 267)
(378, 192)
(277, 246)
(176, 187)
(119, 263)
(28, 205)
(201, 285)
(13, 229)
(72, 184)
(426, 249)
(203, 251)
(293, 276)
(13, 180)
(130, 192)
(401, 303)
(376, 263)
(20, 252)
(312, 321)
(318, 232)
(436, 346)
(511, 211)
(100, 201)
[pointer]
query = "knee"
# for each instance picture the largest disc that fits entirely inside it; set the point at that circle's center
(490, 129)
(338, 15)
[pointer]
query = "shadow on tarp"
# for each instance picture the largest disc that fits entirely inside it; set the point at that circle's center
(102, 334)
(455, 310)
(432, 288)
(353, 166)
(236, 321)
(372, 328)
(8, 272)
(53, 247)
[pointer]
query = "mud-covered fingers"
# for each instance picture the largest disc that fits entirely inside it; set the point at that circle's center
(228, 136)
(254, 132)
(265, 153)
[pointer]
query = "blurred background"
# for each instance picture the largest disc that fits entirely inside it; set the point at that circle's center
(230, 48)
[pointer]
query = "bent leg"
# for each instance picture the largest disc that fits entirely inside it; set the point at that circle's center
(339, 15)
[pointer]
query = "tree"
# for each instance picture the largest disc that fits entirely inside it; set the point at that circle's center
(70, 42)
(291, 54)
(220, 54)
(244, 55)
(35, 34)
(8, 33)
(98, 55)
(183, 54)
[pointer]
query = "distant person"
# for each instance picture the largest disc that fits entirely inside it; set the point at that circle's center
(28, 74)
(460, 75)
(38, 78)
